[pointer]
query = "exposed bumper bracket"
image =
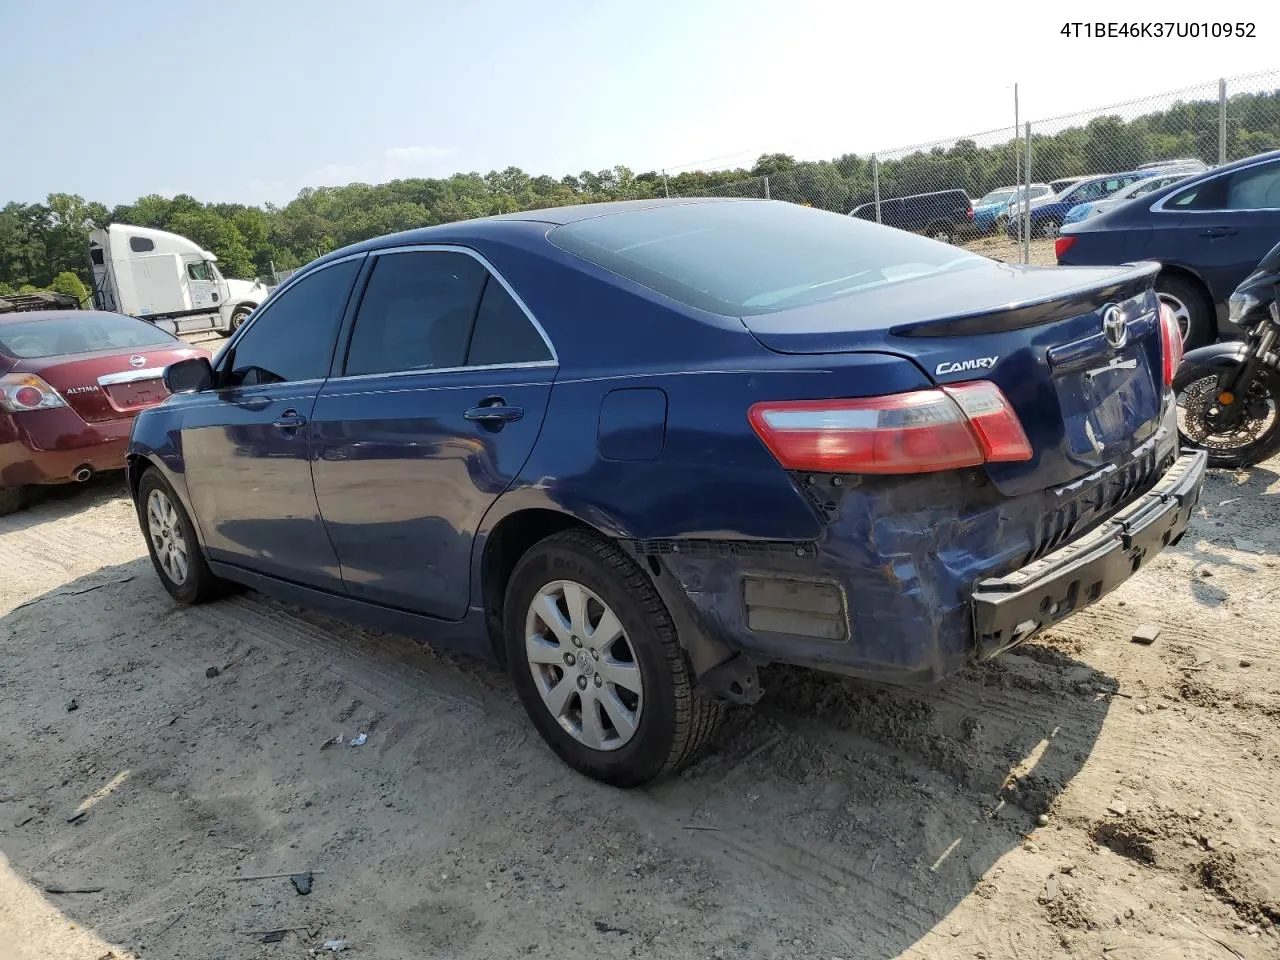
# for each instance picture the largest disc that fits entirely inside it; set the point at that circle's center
(1009, 609)
(736, 680)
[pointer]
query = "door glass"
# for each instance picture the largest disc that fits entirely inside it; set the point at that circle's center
(1256, 189)
(503, 333)
(416, 313)
(292, 336)
(199, 271)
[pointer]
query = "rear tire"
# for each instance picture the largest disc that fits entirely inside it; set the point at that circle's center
(564, 675)
(12, 499)
(1191, 306)
(1049, 227)
(172, 543)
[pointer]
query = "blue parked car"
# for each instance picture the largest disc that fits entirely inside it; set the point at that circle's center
(635, 450)
(1047, 216)
(1138, 188)
(1208, 232)
(990, 212)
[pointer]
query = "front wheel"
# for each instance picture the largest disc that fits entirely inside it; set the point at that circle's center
(1249, 438)
(1049, 228)
(238, 317)
(171, 541)
(597, 664)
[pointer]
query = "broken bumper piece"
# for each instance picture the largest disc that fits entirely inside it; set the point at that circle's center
(1011, 608)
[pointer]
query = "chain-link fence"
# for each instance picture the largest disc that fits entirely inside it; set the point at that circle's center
(974, 189)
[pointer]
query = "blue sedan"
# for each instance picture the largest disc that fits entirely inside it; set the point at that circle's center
(636, 450)
(1208, 232)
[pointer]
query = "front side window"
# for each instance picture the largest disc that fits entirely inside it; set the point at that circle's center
(292, 336)
(199, 271)
(416, 313)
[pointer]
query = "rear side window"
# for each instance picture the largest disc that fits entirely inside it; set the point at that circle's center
(749, 257)
(69, 335)
(1256, 189)
(293, 334)
(416, 313)
(503, 334)
(141, 244)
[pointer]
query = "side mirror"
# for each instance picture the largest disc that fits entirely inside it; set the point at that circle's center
(189, 376)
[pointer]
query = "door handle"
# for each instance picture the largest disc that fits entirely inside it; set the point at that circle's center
(494, 414)
(1216, 233)
(291, 420)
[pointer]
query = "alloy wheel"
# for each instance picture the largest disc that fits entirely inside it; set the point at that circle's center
(583, 665)
(1181, 312)
(165, 528)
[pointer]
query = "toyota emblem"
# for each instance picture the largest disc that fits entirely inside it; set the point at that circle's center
(1114, 327)
(137, 361)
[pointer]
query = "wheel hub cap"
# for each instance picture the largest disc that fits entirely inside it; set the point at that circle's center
(583, 665)
(167, 538)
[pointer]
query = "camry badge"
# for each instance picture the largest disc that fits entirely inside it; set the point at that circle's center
(137, 361)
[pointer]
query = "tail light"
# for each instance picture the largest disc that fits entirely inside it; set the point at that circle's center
(1170, 343)
(20, 392)
(969, 213)
(1062, 245)
(962, 425)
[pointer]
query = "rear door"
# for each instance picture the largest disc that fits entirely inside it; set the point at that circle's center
(444, 387)
(246, 446)
(1222, 227)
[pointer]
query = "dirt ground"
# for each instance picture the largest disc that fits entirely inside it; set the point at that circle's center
(1086, 796)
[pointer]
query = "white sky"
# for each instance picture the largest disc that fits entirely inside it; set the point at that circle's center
(250, 101)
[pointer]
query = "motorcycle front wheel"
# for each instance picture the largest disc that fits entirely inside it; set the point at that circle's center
(1252, 437)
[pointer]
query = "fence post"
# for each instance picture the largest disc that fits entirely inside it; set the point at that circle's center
(666, 191)
(875, 183)
(766, 188)
(1026, 208)
(1222, 122)
(1017, 158)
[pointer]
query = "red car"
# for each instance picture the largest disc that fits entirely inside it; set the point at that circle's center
(71, 383)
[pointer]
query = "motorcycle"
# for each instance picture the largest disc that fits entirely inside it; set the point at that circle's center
(1228, 393)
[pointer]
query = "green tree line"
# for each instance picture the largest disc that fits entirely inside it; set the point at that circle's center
(45, 245)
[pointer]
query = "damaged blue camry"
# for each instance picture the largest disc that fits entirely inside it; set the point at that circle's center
(635, 451)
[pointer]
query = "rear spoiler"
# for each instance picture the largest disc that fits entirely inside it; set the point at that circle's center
(1067, 303)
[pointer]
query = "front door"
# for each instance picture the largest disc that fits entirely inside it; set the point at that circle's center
(247, 444)
(443, 394)
(202, 285)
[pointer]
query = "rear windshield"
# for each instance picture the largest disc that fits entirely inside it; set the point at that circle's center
(744, 258)
(61, 336)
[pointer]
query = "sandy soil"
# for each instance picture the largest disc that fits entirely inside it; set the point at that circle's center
(1087, 796)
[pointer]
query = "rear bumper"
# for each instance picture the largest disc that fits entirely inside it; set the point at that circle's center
(1009, 609)
(914, 578)
(48, 446)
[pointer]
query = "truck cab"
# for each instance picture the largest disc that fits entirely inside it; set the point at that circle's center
(168, 280)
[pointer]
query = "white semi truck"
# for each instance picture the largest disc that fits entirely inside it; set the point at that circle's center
(168, 280)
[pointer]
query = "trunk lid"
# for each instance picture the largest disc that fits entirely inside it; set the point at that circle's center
(1086, 400)
(109, 385)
